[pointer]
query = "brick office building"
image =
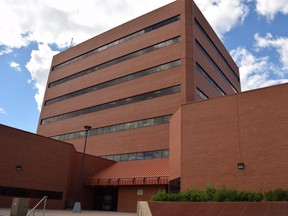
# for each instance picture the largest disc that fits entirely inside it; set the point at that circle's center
(207, 140)
(127, 84)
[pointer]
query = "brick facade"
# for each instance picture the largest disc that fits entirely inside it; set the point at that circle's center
(206, 139)
(250, 127)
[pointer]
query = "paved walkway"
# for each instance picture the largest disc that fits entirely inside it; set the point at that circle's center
(6, 212)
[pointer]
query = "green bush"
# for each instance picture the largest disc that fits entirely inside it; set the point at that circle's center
(210, 192)
(161, 196)
(225, 195)
(221, 195)
(192, 196)
(276, 195)
(249, 196)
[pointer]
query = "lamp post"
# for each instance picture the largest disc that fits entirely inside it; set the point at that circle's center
(77, 205)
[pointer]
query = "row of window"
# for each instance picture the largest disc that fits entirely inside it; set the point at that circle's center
(117, 60)
(201, 94)
(216, 49)
(29, 193)
(205, 74)
(121, 102)
(139, 156)
(215, 66)
(116, 81)
(115, 128)
(116, 42)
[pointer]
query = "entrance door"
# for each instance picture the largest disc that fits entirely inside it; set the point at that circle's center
(105, 198)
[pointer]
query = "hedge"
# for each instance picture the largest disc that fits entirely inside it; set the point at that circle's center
(211, 194)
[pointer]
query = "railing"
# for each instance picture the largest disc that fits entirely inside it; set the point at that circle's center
(44, 207)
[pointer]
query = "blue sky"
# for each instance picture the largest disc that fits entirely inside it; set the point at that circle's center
(255, 32)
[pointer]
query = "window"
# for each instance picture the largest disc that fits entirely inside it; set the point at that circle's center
(201, 94)
(115, 128)
(215, 48)
(121, 40)
(124, 157)
(132, 156)
(139, 156)
(125, 101)
(215, 66)
(115, 61)
(31, 193)
(200, 69)
(116, 158)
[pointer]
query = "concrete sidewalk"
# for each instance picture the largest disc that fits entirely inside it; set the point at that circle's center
(49, 212)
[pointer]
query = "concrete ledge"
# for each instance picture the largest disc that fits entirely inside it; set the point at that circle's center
(143, 209)
(217, 208)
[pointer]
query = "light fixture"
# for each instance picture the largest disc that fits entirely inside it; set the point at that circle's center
(19, 168)
(240, 165)
(87, 127)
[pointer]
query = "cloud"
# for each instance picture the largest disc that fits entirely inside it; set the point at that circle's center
(270, 8)
(223, 15)
(279, 43)
(56, 22)
(15, 65)
(5, 50)
(2, 111)
(256, 72)
(38, 66)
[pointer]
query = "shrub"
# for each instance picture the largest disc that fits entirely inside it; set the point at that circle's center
(276, 195)
(192, 196)
(210, 191)
(249, 196)
(221, 195)
(225, 195)
(161, 196)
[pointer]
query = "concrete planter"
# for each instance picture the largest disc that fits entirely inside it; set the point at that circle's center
(212, 208)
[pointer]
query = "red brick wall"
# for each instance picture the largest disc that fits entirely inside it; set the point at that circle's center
(45, 162)
(250, 127)
(91, 166)
(127, 196)
(218, 208)
(47, 165)
(175, 146)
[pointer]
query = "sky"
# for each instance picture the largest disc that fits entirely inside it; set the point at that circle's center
(255, 32)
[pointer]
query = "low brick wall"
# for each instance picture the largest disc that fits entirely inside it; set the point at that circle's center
(215, 208)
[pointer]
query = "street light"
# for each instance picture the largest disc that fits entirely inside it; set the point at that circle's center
(77, 205)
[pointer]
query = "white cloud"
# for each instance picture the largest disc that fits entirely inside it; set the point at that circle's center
(57, 22)
(38, 66)
(54, 21)
(15, 65)
(5, 50)
(2, 111)
(256, 72)
(270, 8)
(280, 44)
(223, 15)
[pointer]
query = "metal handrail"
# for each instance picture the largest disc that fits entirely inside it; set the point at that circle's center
(44, 207)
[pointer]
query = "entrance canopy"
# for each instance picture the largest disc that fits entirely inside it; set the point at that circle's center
(139, 172)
